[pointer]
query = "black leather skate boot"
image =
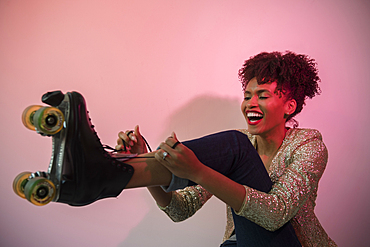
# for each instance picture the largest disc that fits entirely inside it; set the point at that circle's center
(81, 171)
(91, 173)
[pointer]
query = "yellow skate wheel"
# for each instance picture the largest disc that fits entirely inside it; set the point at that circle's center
(20, 182)
(39, 191)
(48, 120)
(27, 116)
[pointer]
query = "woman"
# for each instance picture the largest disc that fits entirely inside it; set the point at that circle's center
(289, 161)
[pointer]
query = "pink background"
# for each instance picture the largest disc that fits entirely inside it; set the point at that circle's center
(172, 65)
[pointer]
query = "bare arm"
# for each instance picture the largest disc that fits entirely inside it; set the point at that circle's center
(162, 198)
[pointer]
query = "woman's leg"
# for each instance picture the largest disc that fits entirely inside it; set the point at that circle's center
(232, 154)
(148, 172)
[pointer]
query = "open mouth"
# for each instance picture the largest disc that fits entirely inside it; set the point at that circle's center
(254, 117)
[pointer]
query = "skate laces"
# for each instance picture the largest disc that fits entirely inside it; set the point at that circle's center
(117, 154)
(114, 153)
(125, 147)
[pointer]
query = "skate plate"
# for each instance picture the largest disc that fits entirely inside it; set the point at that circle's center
(40, 188)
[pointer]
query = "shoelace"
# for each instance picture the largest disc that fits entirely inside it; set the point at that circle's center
(113, 150)
(125, 147)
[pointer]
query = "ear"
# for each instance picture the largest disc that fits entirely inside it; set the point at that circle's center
(290, 106)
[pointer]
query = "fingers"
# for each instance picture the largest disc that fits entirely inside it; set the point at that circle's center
(137, 131)
(165, 153)
(172, 141)
(159, 157)
(127, 138)
(119, 144)
(174, 135)
(167, 149)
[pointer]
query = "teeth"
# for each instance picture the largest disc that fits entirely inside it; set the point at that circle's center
(254, 114)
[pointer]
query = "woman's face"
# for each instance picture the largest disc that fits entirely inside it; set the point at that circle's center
(264, 110)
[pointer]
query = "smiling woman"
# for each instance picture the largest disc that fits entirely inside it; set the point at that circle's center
(267, 175)
(266, 206)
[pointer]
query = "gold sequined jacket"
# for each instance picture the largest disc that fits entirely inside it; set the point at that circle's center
(295, 171)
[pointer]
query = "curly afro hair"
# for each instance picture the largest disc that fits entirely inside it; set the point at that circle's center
(296, 75)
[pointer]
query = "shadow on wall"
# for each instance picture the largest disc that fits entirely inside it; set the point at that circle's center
(156, 228)
(204, 115)
(201, 116)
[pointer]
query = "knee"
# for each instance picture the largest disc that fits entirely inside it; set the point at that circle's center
(237, 137)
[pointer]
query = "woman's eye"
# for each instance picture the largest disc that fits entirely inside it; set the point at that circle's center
(247, 98)
(263, 97)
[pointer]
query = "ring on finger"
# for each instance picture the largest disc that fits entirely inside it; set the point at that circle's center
(130, 132)
(165, 155)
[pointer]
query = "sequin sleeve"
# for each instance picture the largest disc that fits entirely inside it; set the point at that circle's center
(304, 161)
(186, 202)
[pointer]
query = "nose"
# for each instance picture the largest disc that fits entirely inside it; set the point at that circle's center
(252, 102)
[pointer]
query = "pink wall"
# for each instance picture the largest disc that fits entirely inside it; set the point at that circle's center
(172, 65)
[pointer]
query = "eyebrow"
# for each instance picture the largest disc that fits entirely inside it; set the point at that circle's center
(258, 91)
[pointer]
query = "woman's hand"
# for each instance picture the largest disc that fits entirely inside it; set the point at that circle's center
(180, 160)
(134, 142)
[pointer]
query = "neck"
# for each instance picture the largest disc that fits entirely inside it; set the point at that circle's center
(268, 144)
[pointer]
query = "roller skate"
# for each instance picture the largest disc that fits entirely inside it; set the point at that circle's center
(81, 171)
